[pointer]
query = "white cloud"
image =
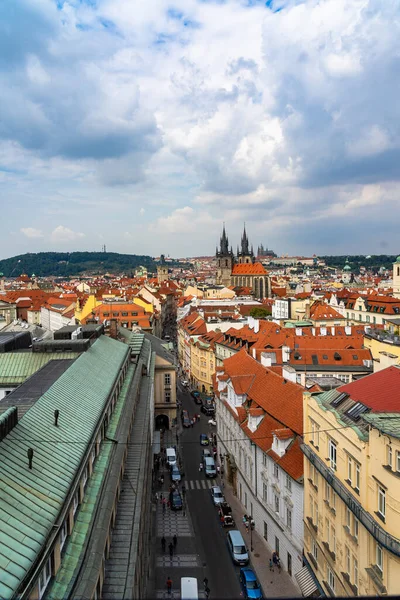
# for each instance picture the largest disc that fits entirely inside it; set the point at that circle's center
(184, 220)
(64, 234)
(31, 232)
(142, 211)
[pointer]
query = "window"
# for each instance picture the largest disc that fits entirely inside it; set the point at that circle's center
(398, 462)
(167, 395)
(389, 455)
(167, 378)
(348, 567)
(265, 492)
(75, 502)
(124, 314)
(348, 519)
(44, 577)
(381, 501)
(331, 579)
(379, 557)
(314, 428)
(332, 454)
(276, 503)
(115, 314)
(276, 471)
(357, 482)
(289, 519)
(314, 550)
(313, 475)
(266, 531)
(349, 470)
(311, 508)
(288, 483)
(332, 544)
(277, 545)
(355, 571)
(327, 492)
(327, 532)
(264, 460)
(63, 534)
(333, 505)
(355, 527)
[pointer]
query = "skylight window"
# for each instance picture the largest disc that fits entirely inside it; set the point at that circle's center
(356, 411)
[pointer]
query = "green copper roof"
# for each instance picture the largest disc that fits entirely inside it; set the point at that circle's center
(30, 500)
(388, 423)
(16, 367)
(398, 259)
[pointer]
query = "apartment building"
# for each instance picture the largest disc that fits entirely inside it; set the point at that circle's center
(352, 485)
(259, 416)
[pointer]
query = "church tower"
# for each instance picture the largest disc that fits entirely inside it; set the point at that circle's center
(346, 273)
(162, 270)
(224, 258)
(396, 278)
(245, 255)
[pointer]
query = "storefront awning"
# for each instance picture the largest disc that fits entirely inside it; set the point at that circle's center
(306, 582)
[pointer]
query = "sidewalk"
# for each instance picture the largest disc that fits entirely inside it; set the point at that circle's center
(273, 583)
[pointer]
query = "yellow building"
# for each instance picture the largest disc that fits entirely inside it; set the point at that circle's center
(384, 346)
(352, 486)
(202, 361)
(84, 309)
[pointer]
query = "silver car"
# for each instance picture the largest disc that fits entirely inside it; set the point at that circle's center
(217, 495)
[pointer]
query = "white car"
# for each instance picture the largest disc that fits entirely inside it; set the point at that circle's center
(185, 382)
(217, 495)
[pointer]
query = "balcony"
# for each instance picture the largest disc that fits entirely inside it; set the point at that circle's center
(383, 538)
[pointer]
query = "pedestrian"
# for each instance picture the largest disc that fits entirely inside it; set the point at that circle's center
(200, 466)
(278, 563)
(207, 592)
(205, 582)
(169, 584)
(221, 457)
(271, 565)
(163, 543)
(275, 558)
(156, 497)
(218, 469)
(161, 498)
(171, 549)
(175, 540)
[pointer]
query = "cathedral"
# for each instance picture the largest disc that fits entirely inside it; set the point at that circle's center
(241, 270)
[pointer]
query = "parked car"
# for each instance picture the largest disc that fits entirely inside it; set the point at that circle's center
(184, 382)
(249, 584)
(237, 547)
(217, 495)
(206, 453)
(208, 407)
(184, 414)
(196, 395)
(175, 473)
(204, 441)
(225, 515)
(186, 422)
(175, 500)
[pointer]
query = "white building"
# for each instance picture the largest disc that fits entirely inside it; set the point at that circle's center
(259, 419)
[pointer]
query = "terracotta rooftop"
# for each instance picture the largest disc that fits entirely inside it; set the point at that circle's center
(249, 269)
(379, 391)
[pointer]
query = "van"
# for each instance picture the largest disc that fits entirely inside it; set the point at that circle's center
(237, 547)
(209, 467)
(189, 589)
(171, 456)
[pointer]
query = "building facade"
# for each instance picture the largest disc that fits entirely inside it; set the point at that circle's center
(351, 486)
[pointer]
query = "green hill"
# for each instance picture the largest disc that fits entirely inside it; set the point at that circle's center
(64, 264)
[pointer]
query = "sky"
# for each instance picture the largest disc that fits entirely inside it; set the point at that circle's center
(146, 125)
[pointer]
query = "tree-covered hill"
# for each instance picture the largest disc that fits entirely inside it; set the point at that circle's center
(373, 262)
(63, 264)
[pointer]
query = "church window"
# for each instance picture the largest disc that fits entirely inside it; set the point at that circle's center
(398, 271)
(226, 262)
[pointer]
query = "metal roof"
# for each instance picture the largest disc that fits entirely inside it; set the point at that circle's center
(16, 367)
(388, 423)
(31, 500)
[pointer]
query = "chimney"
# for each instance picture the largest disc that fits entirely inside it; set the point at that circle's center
(307, 311)
(113, 330)
(30, 457)
(56, 415)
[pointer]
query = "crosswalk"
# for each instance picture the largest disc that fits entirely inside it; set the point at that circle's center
(202, 484)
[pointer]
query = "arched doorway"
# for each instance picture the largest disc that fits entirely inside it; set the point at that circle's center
(162, 422)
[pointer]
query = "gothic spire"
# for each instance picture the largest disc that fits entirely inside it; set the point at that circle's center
(245, 242)
(224, 242)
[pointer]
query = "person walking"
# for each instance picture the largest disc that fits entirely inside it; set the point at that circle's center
(171, 549)
(169, 584)
(175, 541)
(163, 543)
(271, 565)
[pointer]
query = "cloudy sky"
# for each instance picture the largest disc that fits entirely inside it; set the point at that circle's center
(144, 125)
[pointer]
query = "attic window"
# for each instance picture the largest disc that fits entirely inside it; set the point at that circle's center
(396, 309)
(337, 356)
(297, 355)
(355, 356)
(325, 356)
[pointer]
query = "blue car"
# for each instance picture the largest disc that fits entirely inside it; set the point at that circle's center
(250, 586)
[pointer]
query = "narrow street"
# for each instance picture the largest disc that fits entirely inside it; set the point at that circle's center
(201, 549)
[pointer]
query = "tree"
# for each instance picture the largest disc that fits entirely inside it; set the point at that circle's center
(259, 312)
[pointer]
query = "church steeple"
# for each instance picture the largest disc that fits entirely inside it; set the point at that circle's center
(224, 243)
(245, 242)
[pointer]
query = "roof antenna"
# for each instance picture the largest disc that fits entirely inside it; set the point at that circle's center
(56, 414)
(30, 457)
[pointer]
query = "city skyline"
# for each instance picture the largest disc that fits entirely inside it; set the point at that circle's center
(145, 128)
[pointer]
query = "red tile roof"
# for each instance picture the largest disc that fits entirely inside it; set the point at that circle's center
(282, 399)
(249, 269)
(320, 311)
(379, 391)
